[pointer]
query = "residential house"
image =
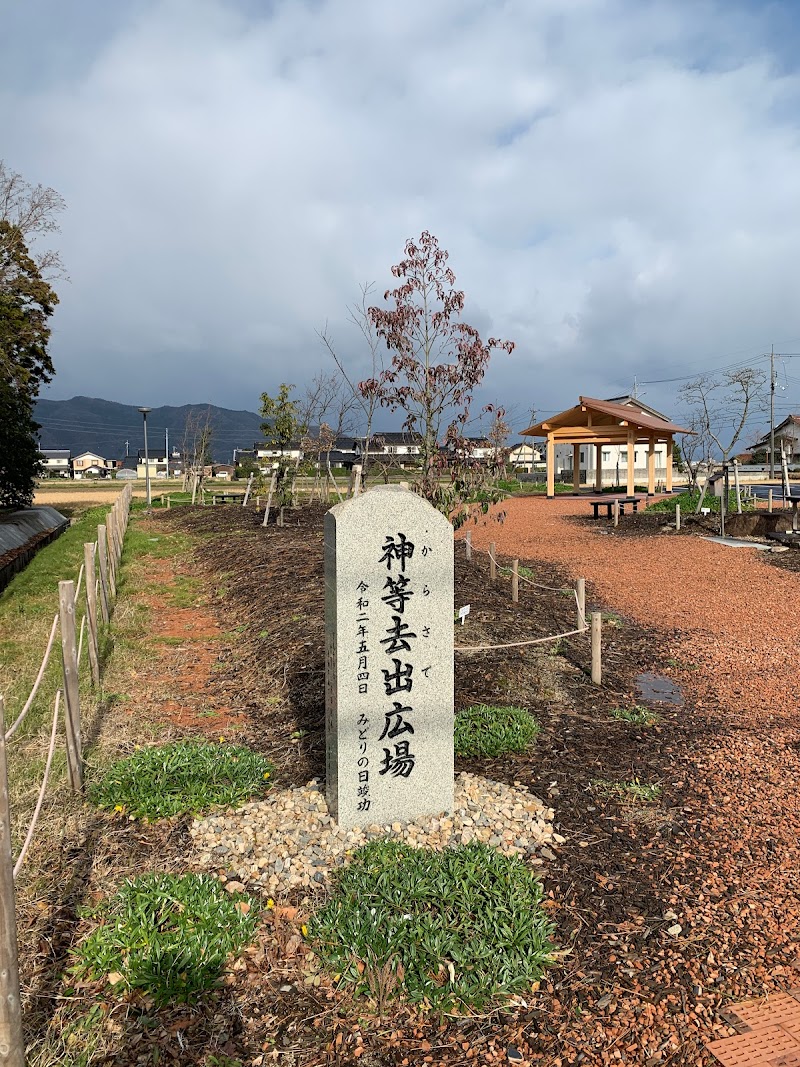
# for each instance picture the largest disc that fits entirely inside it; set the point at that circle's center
(268, 454)
(56, 462)
(224, 470)
(157, 462)
(787, 436)
(399, 448)
(525, 457)
(91, 465)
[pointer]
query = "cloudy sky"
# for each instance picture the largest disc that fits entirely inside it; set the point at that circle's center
(616, 181)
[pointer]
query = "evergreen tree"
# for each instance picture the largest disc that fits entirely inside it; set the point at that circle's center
(26, 304)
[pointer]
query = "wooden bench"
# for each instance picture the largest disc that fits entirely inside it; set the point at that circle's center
(228, 498)
(608, 504)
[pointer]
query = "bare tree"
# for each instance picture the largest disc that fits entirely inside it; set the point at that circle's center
(196, 448)
(721, 406)
(33, 209)
(364, 399)
(695, 449)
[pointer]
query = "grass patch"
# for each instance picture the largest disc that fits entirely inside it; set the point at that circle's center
(638, 715)
(483, 730)
(185, 777)
(459, 928)
(167, 936)
(632, 790)
(688, 502)
(523, 572)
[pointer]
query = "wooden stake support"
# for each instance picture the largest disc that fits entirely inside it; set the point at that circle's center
(597, 645)
(102, 556)
(468, 545)
(492, 561)
(91, 612)
(677, 518)
(580, 596)
(69, 657)
(515, 581)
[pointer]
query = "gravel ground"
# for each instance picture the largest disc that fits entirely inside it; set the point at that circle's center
(289, 840)
(736, 613)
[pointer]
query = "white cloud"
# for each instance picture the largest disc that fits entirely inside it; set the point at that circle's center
(615, 181)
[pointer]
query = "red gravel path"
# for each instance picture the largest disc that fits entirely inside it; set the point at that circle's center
(734, 880)
(739, 618)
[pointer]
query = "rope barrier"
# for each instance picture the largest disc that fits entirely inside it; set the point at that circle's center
(37, 810)
(13, 728)
(522, 578)
(517, 644)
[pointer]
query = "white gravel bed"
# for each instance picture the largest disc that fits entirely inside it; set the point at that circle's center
(288, 840)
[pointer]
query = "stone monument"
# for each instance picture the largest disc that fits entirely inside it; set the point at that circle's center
(388, 658)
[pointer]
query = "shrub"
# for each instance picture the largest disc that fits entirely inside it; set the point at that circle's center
(458, 928)
(166, 935)
(483, 730)
(185, 777)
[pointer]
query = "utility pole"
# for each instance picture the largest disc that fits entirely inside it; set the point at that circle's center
(772, 413)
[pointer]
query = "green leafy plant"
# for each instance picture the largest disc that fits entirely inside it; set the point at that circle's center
(483, 730)
(161, 781)
(638, 715)
(166, 935)
(459, 928)
(632, 790)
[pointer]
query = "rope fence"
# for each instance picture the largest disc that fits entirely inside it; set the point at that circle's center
(107, 550)
(578, 590)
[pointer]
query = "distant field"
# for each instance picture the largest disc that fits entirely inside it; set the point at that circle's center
(63, 491)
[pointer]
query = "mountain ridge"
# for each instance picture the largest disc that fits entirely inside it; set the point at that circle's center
(91, 424)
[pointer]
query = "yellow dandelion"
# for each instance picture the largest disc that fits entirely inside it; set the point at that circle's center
(222, 740)
(119, 807)
(304, 930)
(266, 776)
(270, 903)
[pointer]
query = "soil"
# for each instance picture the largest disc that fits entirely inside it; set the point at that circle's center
(666, 910)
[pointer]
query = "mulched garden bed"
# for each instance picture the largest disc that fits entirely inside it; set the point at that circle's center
(666, 910)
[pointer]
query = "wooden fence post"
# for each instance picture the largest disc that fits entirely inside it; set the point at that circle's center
(492, 561)
(69, 656)
(597, 645)
(677, 518)
(580, 596)
(616, 512)
(769, 501)
(515, 581)
(102, 556)
(468, 545)
(12, 1045)
(91, 612)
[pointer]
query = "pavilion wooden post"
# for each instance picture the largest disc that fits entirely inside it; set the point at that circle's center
(598, 468)
(576, 468)
(551, 466)
(631, 461)
(651, 466)
(669, 465)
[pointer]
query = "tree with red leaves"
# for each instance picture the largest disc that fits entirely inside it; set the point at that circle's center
(437, 360)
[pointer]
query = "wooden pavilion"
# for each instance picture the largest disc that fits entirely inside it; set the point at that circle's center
(603, 422)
